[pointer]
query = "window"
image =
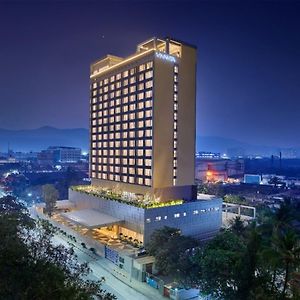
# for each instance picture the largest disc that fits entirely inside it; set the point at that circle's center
(148, 220)
(158, 218)
(142, 67)
(149, 74)
(149, 84)
(176, 215)
(149, 64)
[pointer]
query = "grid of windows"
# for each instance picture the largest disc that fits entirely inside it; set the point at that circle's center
(121, 126)
(175, 123)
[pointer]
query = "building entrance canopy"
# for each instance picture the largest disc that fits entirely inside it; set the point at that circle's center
(91, 218)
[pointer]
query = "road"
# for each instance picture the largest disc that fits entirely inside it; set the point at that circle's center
(112, 284)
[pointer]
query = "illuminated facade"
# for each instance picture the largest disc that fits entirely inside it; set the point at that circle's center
(143, 119)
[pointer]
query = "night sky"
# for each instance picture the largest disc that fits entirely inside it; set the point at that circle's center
(248, 61)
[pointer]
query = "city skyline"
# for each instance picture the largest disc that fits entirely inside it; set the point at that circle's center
(247, 62)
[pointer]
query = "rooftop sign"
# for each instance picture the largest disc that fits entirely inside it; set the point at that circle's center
(165, 56)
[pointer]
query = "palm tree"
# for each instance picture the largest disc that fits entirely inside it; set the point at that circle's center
(287, 248)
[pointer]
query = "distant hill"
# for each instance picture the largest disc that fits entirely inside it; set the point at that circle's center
(222, 145)
(42, 138)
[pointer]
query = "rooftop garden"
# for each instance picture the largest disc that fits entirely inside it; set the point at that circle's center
(138, 200)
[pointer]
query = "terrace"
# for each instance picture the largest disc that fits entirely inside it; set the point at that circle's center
(143, 201)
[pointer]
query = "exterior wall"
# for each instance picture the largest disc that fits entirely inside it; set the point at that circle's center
(201, 226)
(133, 216)
(163, 124)
(186, 131)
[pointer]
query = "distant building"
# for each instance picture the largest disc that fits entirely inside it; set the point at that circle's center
(59, 154)
(45, 157)
(252, 179)
(66, 154)
(25, 156)
(214, 170)
(211, 155)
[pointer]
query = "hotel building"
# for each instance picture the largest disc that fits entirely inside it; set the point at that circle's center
(143, 120)
(142, 159)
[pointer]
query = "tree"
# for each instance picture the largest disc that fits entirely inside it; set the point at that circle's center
(275, 181)
(286, 246)
(173, 253)
(235, 199)
(31, 267)
(50, 195)
(237, 225)
(220, 266)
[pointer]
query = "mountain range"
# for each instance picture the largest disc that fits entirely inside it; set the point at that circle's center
(42, 138)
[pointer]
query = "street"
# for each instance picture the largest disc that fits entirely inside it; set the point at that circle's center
(112, 284)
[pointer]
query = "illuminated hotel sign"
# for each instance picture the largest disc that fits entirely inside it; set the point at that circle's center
(165, 56)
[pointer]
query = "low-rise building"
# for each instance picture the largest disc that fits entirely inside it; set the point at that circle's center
(138, 219)
(214, 170)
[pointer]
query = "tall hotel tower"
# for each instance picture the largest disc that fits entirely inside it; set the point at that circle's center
(142, 120)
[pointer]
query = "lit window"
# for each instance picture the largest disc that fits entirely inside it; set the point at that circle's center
(148, 74)
(149, 64)
(149, 84)
(158, 218)
(141, 86)
(195, 212)
(148, 94)
(148, 220)
(141, 96)
(148, 152)
(176, 215)
(142, 67)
